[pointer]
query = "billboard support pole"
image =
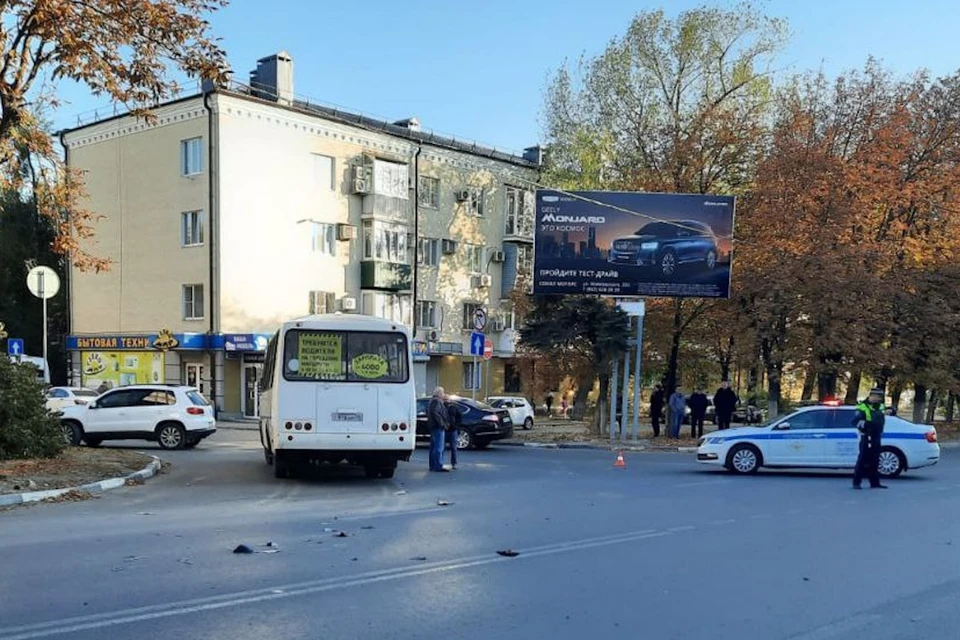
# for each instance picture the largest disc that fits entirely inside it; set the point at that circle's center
(615, 368)
(624, 403)
(636, 379)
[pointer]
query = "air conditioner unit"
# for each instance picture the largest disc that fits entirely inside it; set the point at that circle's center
(481, 282)
(360, 186)
(497, 325)
(462, 195)
(348, 304)
(433, 336)
(449, 247)
(346, 231)
(498, 256)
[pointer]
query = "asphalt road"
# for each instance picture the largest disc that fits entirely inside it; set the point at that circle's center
(662, 549)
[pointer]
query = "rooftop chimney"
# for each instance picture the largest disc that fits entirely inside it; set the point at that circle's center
(410, 123)
(273, 78)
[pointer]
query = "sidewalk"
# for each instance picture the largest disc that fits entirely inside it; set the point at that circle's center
(570, 434)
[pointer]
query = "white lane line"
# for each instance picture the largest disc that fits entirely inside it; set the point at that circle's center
(719, 522)
(678, 529)
(153, 612)
(699, 483)
(835, 629)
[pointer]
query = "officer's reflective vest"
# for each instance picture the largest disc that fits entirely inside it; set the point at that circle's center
(868, 412)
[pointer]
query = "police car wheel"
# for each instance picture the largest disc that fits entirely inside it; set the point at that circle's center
(744, 458)
(892, 462)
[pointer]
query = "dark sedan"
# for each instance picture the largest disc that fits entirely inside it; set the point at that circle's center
(667, 246)
(480, 424)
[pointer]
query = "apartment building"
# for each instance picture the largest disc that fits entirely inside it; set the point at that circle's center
(242, 206)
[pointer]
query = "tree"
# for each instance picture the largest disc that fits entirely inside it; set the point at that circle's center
(583, 336)
(27, 429)
(121, 49)
(674, 105)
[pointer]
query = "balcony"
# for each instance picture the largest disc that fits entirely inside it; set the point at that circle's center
(386, 276)
(522, 233)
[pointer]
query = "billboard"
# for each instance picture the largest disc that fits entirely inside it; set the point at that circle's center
(633, 244)
(120, 368)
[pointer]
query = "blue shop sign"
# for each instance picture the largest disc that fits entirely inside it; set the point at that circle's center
(162, 341)
(420, 351)
(245, 341)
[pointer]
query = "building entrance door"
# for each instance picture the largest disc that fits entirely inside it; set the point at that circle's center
(251, 390)
(193, 376)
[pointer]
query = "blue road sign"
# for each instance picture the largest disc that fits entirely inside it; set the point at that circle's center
(476, 343)
(15, 346)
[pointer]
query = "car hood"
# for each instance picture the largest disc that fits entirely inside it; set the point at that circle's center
(738, 431)
(73, 410)
(636, 238)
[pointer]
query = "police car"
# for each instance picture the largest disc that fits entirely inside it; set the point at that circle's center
(818, 437)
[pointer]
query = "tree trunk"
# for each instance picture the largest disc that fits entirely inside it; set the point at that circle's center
(919, 402)
(895, 395)
(932, 405)
(951, 405)
(853, 387)
(579, 410)
(773, 389)
(826, 385)
(808, 382)
(603, 401)
(674, 362)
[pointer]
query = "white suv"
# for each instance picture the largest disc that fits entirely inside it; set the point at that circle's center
(520, 409)
(174, 416)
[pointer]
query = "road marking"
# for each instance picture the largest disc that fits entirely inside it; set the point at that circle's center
(699, 483)
(835, 629)
(199, 605)
(678, 529)
(718, 522)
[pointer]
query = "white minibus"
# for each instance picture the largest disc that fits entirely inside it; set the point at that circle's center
(337, 388)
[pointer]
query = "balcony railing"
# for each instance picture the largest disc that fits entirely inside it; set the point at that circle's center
(386, 276)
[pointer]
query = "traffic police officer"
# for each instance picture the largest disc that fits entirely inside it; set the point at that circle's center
(869, 421)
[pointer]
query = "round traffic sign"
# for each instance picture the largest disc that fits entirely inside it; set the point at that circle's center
(487, 349)
(43, 282)
(479, 319)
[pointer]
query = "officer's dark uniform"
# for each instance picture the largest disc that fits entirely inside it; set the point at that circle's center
(869, 420)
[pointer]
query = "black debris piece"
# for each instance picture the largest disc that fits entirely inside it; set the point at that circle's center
(508, 553)
(242, 548)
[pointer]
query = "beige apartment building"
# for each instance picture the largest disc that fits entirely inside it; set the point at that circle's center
(241, 207)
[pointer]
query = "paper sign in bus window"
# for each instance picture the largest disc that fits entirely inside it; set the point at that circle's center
(369, 366)
(320, 355)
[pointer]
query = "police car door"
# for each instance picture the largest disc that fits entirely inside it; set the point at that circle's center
(799, 440)
(843, 444)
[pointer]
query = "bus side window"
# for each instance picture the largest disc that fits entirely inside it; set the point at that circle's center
(269, 363)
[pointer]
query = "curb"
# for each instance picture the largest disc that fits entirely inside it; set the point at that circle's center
(149, 471)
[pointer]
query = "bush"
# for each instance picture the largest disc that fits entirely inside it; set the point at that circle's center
(27, 429)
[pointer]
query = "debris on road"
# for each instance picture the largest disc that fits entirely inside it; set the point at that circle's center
(187, 561)
(508, 553)
(146, 513)
(242, 548)
(342, 534)
(420, 558)
(402, 492)
(328, 530)
(443, 503)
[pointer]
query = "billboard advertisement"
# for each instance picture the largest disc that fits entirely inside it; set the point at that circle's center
(120, 368)
(633, 244)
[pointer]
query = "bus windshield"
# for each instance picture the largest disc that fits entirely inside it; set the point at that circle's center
(345, 356)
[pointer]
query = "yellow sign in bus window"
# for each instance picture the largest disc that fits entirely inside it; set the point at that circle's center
(320, 355)
(369, 365)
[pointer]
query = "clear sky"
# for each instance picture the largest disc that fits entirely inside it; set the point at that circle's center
(478, 69)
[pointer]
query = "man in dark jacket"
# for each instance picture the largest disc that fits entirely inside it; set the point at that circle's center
(869, 421)
(725, 401)
(453, 430)
(698, 404)
(657, 400)
(438, 419)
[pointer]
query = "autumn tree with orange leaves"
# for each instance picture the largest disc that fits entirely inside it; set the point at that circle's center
(123, 50)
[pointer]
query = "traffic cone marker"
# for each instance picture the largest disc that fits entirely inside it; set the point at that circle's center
(620, 463)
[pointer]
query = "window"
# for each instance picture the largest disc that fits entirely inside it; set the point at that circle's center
(321, 302)
(511, 378)
(471, 375)
(809, 420)
(191, 156)
(469, 309)
(123, 398)
(524, 261)
(429, 192)
(384, 241)
(391, 179)
(340, 356)
(324, 168)
(193, 302)
(269, 363)
(509, 316)
(475, 258)
(191, 228)
(428, 252)
(323, 238)
(518, 218)
(476, 201)
(155, 398)
(426, 314)
(843, 418)
(392, 306)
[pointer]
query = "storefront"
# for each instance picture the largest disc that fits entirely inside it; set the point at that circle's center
(242, 370)
(107, 361)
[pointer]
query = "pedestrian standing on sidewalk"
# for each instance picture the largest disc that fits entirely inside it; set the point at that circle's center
(678, 407)
(438, 419)
(657, 400)
(453, 430)
(725, 400)
(563, 406)
(549, 403)
(698, 403)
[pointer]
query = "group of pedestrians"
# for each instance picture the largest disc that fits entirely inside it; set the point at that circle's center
(443, 420)
(725, 401)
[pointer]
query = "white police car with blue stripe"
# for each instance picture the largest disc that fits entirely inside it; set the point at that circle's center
(818, 437)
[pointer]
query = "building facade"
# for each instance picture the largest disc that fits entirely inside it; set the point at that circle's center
(242, 207)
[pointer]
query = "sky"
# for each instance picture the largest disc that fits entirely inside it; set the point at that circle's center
(478, 70)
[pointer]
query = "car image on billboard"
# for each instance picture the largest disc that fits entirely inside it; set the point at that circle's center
(633, 244)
